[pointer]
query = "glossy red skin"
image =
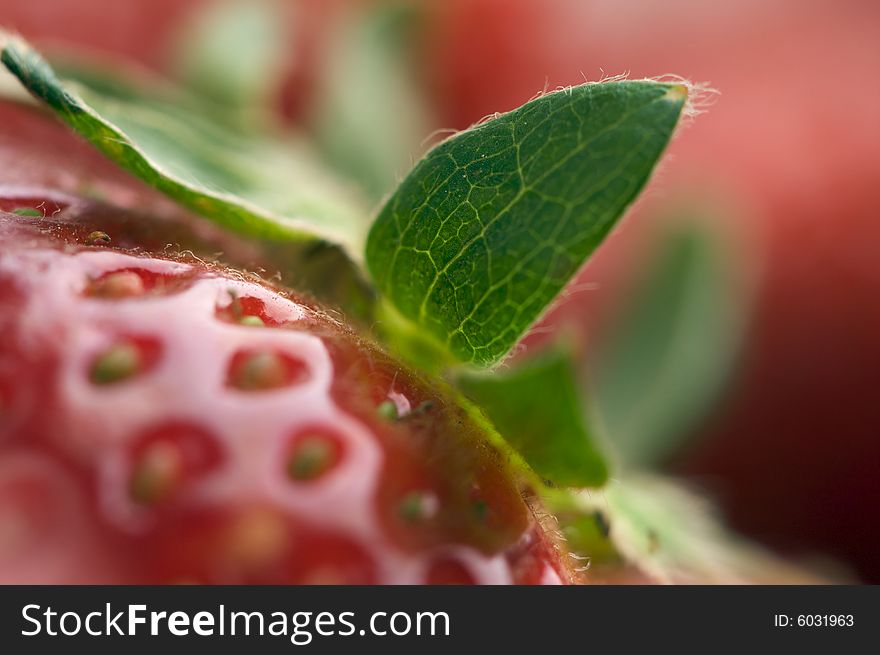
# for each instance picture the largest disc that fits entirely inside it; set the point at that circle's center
(790, 152)
(75, 506)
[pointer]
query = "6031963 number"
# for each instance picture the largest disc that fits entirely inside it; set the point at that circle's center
(825, 620)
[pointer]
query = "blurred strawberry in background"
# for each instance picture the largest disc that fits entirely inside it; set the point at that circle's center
(786, 161)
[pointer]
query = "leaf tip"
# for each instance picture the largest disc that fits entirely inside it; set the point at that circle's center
(677, 93)
(8, 39)
(693, 97)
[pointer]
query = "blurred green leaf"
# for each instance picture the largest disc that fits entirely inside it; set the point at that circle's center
(491, 225)
(270, 188)
(368, 114)
(663, 530)
(672, 348)
(536, 406)
(233, 52)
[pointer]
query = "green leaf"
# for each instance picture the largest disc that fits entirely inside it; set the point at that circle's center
(664, 531)
(233, 52)
(267, 188)
(672, 348)
(368, 114)
(492, 223)
(536, 406)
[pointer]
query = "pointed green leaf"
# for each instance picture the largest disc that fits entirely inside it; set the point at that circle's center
(672, 348)
(492, 223)
(269, 188)
(536, 406)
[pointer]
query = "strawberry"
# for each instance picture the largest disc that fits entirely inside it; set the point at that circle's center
(166, 416)
(167, 419)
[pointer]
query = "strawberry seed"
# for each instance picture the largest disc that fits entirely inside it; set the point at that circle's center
(263, 370)
(156, 474)
(311, 457)
(120, 284)
(417, 506)
(116, 364)
(98, 238)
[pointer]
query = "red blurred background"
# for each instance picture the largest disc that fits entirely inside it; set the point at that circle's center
(790, 149)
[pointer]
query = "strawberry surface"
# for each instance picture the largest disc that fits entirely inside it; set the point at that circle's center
(169, 419)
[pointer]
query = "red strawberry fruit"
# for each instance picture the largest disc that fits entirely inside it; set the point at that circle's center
(164, 419)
